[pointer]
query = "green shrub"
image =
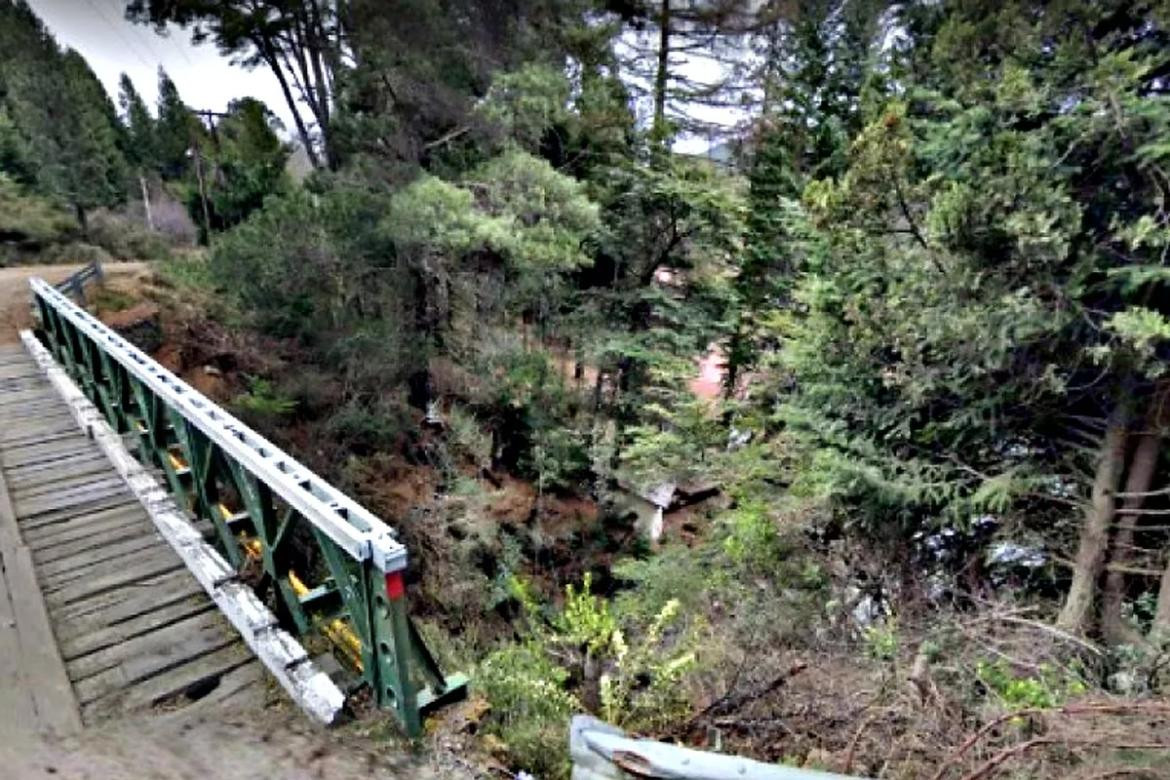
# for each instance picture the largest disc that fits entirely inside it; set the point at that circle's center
(1050, 687)
(263, 401)
(753, 541)
(365, 428)
(530, 706)
(30, 219)
(467, 438)
(125, 238)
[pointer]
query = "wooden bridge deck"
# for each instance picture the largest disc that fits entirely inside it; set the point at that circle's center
(98, 615)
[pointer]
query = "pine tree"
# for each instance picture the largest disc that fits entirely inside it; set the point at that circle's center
(139, 125)
(175, 131)
(61, 112)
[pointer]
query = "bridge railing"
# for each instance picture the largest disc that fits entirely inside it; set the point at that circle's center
(75, 284)
(329, 564)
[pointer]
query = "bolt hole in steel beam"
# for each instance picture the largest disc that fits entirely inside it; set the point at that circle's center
(209, 456)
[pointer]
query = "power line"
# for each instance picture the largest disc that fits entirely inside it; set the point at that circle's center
(118, 32)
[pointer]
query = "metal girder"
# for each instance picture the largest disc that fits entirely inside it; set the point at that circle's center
(353, 528)
(208, 455)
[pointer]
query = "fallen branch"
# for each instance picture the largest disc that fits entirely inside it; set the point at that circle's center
(1071, 710)
(1023, 747)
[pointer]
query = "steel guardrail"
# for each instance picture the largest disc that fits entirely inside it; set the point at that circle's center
(76, 283)
(604, 752)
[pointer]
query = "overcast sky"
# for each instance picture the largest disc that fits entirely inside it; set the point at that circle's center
(112, 46)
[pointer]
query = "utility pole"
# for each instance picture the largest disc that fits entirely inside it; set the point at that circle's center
(209, 117)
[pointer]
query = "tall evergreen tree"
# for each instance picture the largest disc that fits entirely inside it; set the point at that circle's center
(139, 124)
(61, 111)
(175, 130)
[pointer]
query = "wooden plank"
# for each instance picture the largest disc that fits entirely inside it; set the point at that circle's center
(202, 673)
(116, 605)
(38, 535)
(63, 480)
(15, 702)
(118, 527)
(128, 576)
(73, 516)
(18, 462)
(98, 559)
(161, 615)
(122, 665)
(17, 474)
(56, 706)
(241, 689)
(51, 447)
(73, 497)
(41, 665)
(19, 436)
(76, 468)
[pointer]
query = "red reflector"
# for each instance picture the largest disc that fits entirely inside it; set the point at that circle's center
(394, 587)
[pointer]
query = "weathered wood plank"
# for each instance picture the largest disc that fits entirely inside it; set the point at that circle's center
(113, 606)
(240, 689)
(128, 576)
(89, 538)
(76, 468)
(15, 701)
(56, 706)
(51, 447)
(51, 528)
(201, 672)
(61, 481)
(161, 614)
(80, 459)
(71, 498)
(98, 559)
(120, 666)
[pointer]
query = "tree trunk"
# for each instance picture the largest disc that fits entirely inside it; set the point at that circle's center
(1094, 537)
(82, 219)
(1141, 474)
(302, 130)
(661, 76)
(146, 200)
(1160, 630)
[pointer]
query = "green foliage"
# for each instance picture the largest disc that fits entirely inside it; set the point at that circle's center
(140, 143)
(524, 104)
(586, 619)
(175, 131)
(642, 686)
(752, 541)
(244, 162)
(263, 400)
(1048, 688)
(60, 132)
(530, 706)
(881, 640)
(29, 218)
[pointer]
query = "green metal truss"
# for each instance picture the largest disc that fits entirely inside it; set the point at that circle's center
(356, 604)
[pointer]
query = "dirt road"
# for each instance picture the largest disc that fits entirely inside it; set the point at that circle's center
(15, 297)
